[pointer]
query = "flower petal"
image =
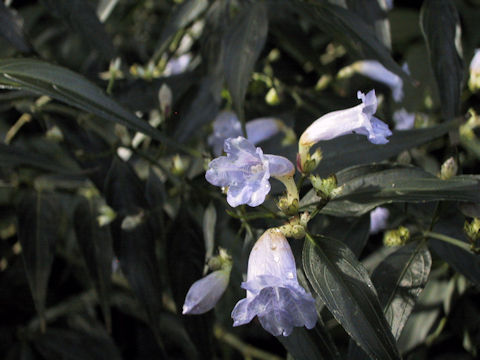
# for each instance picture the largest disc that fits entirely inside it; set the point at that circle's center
(225, 125)
(222, 172)
(261, 129)
(279, 165)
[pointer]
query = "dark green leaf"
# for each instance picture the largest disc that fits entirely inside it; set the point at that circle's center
(81, 17)
(351, 30)
(96, 244)
(185, 256)
(181, 16)
(75, 345)
(39, 215)
(65, 85)
(344, 286)
(367, 186)
(203, 109)
(134, 240)
(11, 29)
(466, 263)
(399, 279)
(305, 344)
(243, 44)
(374, 15)
(346, 151)
(441, 28)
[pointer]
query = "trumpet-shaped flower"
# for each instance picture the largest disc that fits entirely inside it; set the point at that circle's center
(376, 71)
(273, 292)
(246, 172)
(227, 125)
(205, 293)
(474, 80)
(378, 219)
(358, 119)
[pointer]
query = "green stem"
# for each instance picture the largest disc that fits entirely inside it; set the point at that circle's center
(449, 240)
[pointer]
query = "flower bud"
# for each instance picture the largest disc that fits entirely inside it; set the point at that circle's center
(165, 99)
(472, 229)
(326, 188)
(449, 169)
(396, 237)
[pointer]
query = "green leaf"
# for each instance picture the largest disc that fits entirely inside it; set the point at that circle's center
(134, 240)
(374, 15)
(65, 85)
(81, 17)
(11, 29)
(367, 186)
(181, 16)
(243, 43)
(350, 150)
(39, 215)
(75, 345)
(399, 279)
(96, 244)
(305, 344)
(441, 29)
(344, 286)
(351, 30)
(466, 263)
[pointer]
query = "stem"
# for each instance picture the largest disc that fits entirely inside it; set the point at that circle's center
(292, 191)
(449, 240)
(248, 351)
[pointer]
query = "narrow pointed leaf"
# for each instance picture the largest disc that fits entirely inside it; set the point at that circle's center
(81, 17)
(441, 29)
(96, 244)
(39, 215)
(243, 44)
(344, 286)
(11, 29)
(399, 279)
(65, 85)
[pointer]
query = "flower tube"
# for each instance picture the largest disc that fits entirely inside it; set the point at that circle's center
(273, 292)
(246, 172)
(358, 119)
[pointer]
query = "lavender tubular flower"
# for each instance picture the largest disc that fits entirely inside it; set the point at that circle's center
(204, 294)
(403, 119)
(378, 219)
(227, 125)
(376, 71)
(273, 291)
(246, 172)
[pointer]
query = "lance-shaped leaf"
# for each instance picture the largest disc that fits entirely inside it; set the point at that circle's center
(134, 240)
(81, 17)
(11, 29)
(367, 186)
(243, 44)
(39, 215)
(399, 279)
(96, 244)
(441, 28)
(343, 284)
(65, 85)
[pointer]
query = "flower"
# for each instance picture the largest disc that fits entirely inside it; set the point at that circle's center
(204, 294)
(474, 80)
(378, 219)
(376, 71)
(178, 65)
(227, 125)
(403, 119)
(246, 170)
(273, 291)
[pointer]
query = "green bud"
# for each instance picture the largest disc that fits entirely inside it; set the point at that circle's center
(397, 237)
(325, 187)
(222, 261)
(132, 221)
(272, 97)
(472, 229)
(449, 169)
(289, 208)
(107, 215)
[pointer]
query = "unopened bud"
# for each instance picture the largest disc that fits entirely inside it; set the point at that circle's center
(472, 229)
(272, 97)
(325, 187)
(289, 208)
(132, 221)
(397, 237)
(165, 99)
(107, 215)
(449, 169)
(54, 134)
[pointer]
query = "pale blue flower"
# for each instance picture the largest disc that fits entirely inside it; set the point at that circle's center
(246, 172)
(177, 65)
(227, 125)
(378, 219)
(273, 292)
(403, 119)
(358, 119)
(376, 71)
(205, 293)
